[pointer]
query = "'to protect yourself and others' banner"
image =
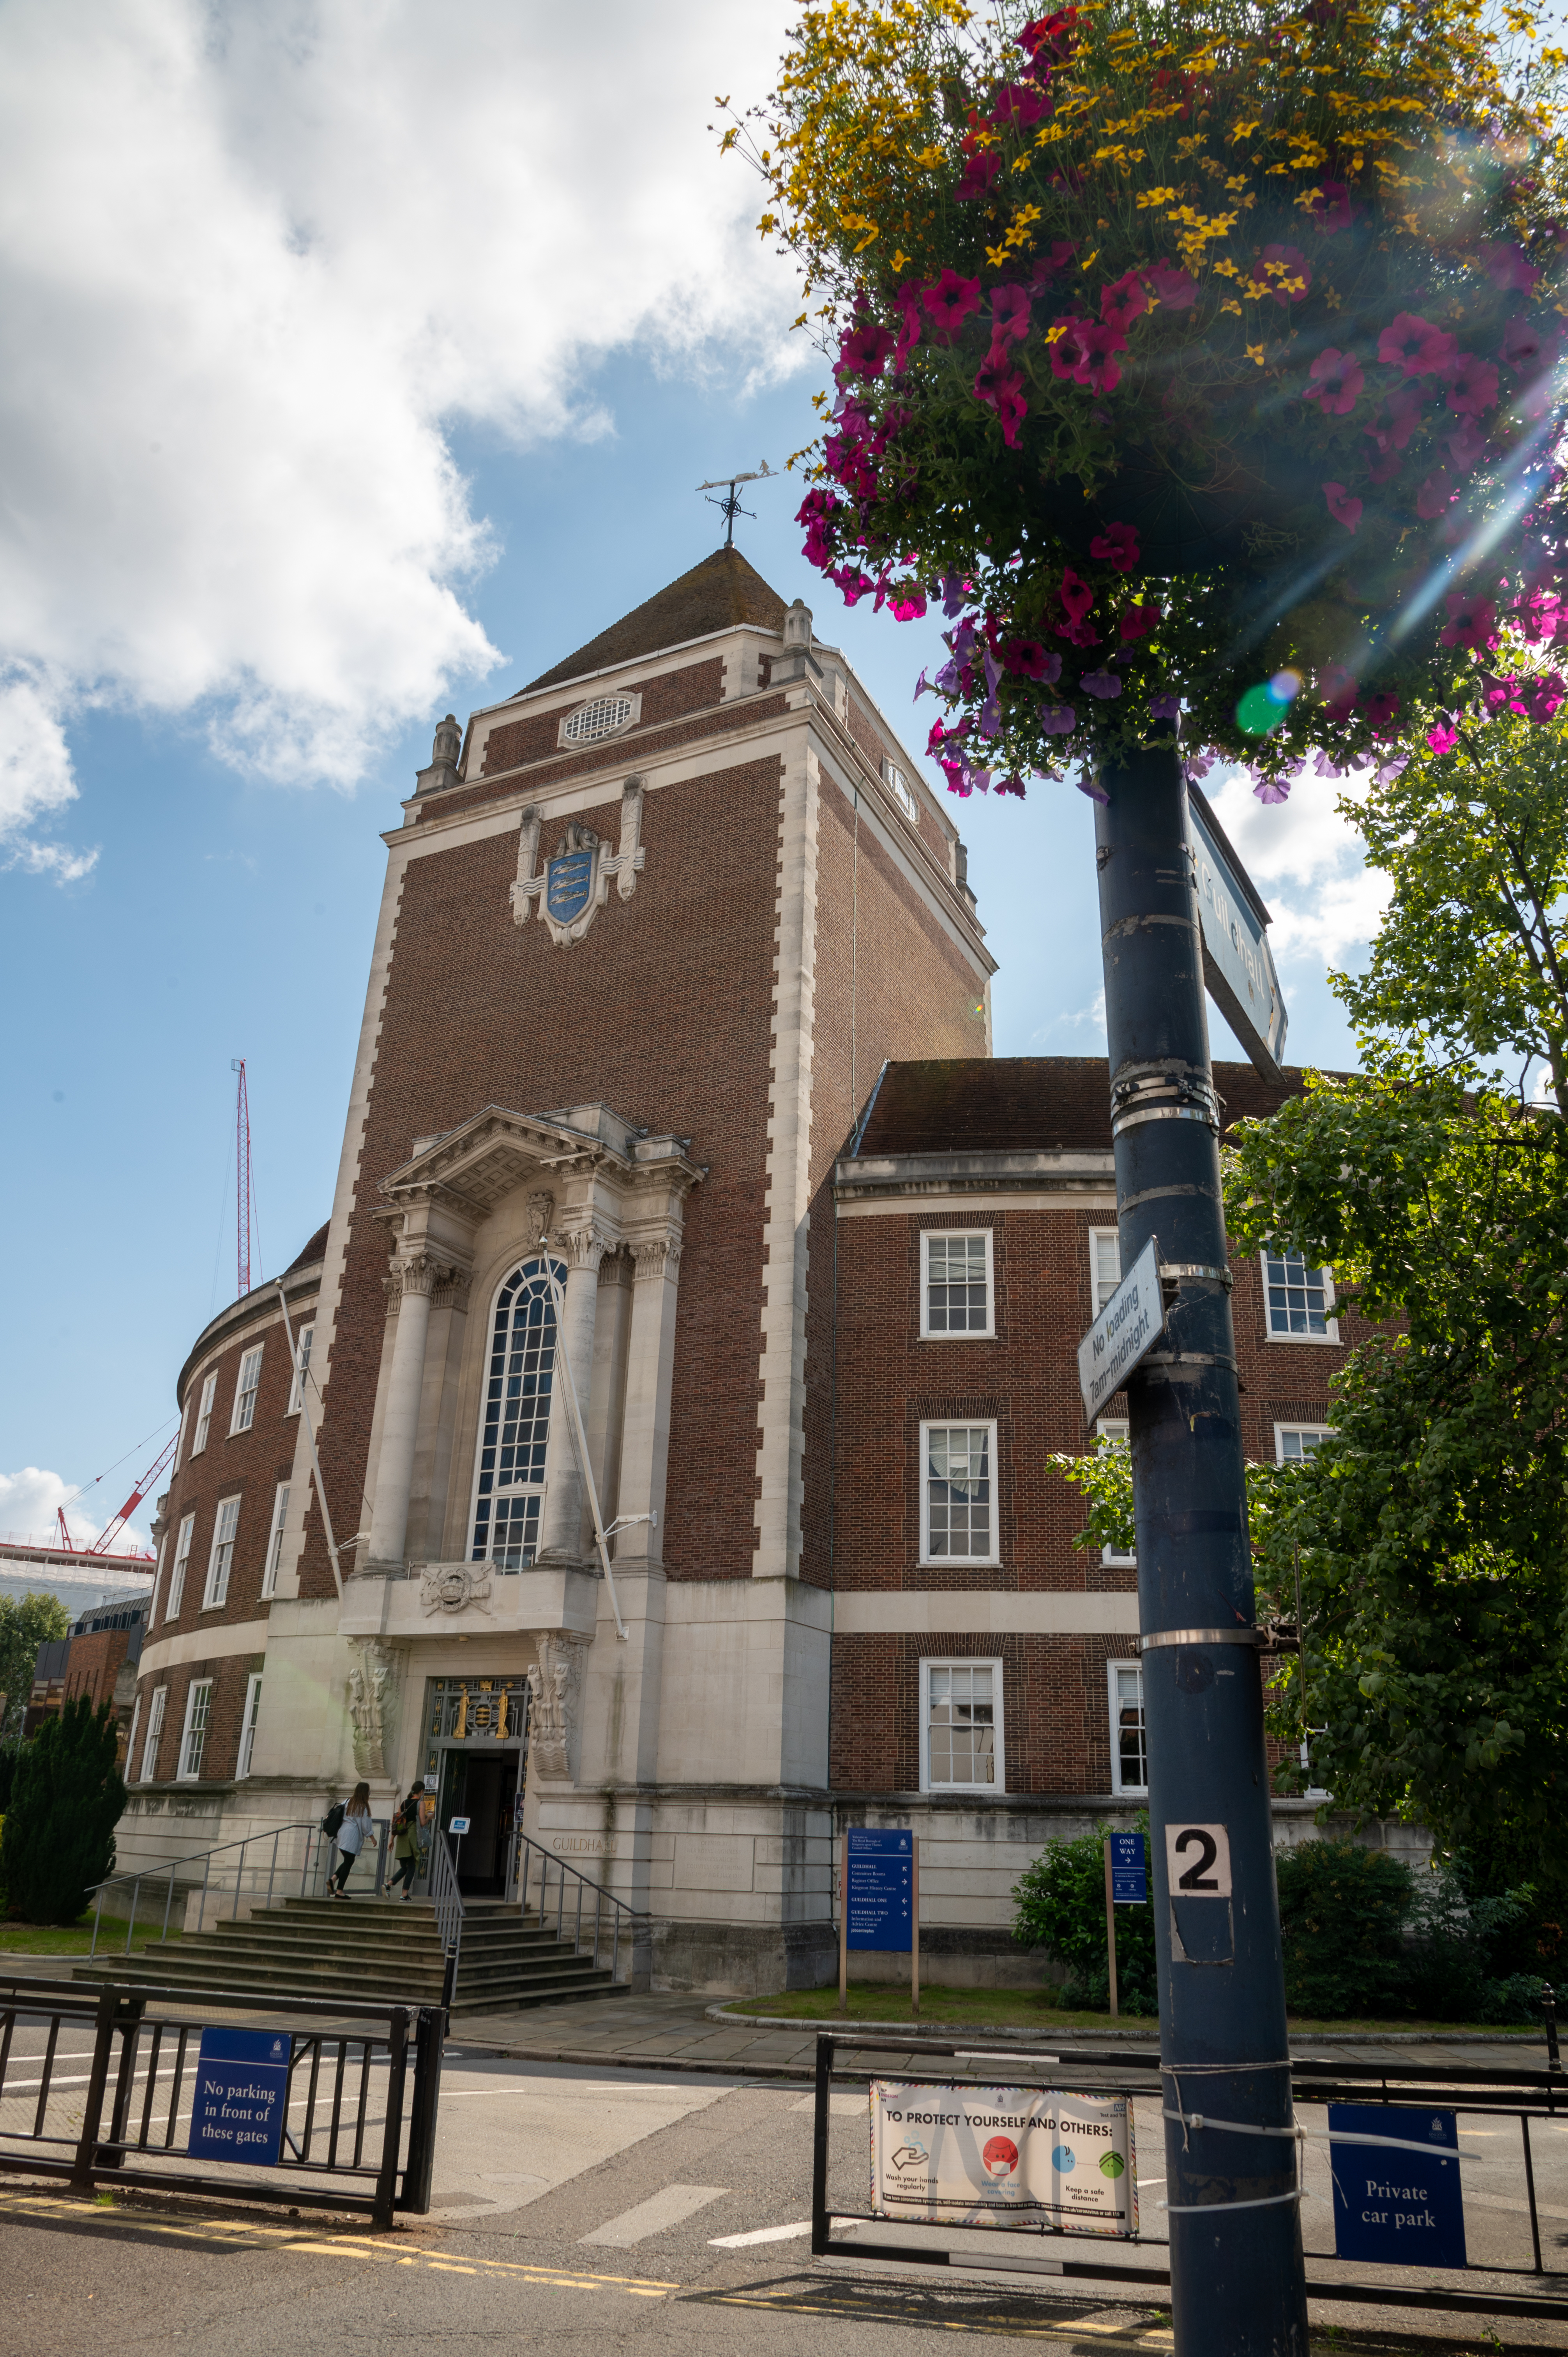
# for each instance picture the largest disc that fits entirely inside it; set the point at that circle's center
(971, 2155)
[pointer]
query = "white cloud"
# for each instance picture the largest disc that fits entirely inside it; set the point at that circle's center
(1306, 860)
(1090, 1017)
(28, 1502)
(253, 263)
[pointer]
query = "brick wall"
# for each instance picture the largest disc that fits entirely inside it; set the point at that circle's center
(1055, 1714)
(668, 696)
(230, 1675)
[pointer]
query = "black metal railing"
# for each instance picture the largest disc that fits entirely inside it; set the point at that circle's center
(582, 1911)
(355, 2115)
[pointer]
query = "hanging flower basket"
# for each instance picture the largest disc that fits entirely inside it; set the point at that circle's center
(1200, 360)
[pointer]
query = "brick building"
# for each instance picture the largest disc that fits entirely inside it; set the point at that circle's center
(675, 1071)
(100, 1658)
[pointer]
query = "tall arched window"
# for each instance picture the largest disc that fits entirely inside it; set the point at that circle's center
(509, 1487)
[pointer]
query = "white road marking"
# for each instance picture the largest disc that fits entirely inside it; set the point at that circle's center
(758, 2234)
(655, 2216)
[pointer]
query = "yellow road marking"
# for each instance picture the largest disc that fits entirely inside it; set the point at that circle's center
(1151, 2338)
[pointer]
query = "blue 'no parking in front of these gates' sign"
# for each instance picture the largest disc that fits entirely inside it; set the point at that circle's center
(879, 1902)
(1396, 2199)
(242, 2094)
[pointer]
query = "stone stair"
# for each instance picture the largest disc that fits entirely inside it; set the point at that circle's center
(371, 1949)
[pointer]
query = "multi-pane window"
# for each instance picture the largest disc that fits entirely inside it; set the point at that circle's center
(1300, 1299)
(302, 1341)
(1293, 1443)
(131, 1739)
(508, 1490)
(247, 1383)
(204, 1415)
(958, 1514)
(1104, 1265)
(962, 1718)
(248, 1723)
(1113, 1433)
(956, 1289)
(181, 1562)
(179, 1443)
(193, 1740)
(221, 1559)
(155, 1731)
(1128, 1740)
(275, 1541)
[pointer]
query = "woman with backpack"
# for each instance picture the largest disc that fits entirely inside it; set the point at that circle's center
(352, 1833)
(406, 1843)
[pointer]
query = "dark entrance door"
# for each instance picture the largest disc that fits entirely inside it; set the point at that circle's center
(482, 1787)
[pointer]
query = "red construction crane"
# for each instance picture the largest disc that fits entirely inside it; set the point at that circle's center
(246, 1202)
(100, 1543)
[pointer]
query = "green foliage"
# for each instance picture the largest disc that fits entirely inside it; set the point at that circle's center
(10, 1755)
(1363, 1935)
(35, 1619)
(1061, 1905)
(58, 1836)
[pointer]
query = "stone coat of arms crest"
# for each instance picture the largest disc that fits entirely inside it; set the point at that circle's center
(574, 884)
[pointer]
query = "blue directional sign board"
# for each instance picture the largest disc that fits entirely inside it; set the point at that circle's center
(1395, 2202)
(242, 2094)
(1128, 1873)
(879, 1902)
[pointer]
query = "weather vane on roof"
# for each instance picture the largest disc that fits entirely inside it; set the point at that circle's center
(730, 506)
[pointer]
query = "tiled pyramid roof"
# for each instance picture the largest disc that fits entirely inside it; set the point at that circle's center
(715, 594)
(1000, 1104)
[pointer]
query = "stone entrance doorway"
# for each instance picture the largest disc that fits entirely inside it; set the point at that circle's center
(476, 1747)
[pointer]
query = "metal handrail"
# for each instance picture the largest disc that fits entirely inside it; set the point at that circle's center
(633, 1917)
(204, 1858)
(447, 1900)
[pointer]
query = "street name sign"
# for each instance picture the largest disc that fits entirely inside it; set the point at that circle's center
(879, 1902)
(1125, 1330)
(1238, 967)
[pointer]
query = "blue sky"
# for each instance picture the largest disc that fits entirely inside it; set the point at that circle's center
(193, 740)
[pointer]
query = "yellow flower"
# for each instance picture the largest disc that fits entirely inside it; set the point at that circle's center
(1259, 353)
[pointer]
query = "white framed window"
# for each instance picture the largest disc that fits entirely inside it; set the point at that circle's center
(1293, 1443)
(193, 1739)
(220, 1556)
(181, 1563)
(248, 1723)
(509, 1471)
(247, 1383)
(204, 1414)
(275, 1541)
(158, 1579)
(155, 1731)
(184, 1431)
(960, 1726)
(958, 1493)
(1298, 1299)
(902, 791)
(303, 1340)
(957, 1290)
(1104, 1265)
(1129, 1736)
(131, 1738)
(1112, 1430)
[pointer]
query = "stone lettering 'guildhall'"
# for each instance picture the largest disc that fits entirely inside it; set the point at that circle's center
(675, 1068)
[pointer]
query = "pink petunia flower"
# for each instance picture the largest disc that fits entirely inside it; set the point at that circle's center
(1027, 658)
(1285, 271)
(1046, 265)
(1016, 106)
(996, 379)
(1123, 301)
(1510, 266)
(1341, 506)
(1171, 284)
(1435, 494)
(1099, 368)
(1414, 345)
(1472, 385)
(1381, 708)
(1078, 597)
(910, 333)
(949, 302)
(1470, 622)
(1102, 684)
(1443, 736)
(978, 177)
(1137, 621)
(1068, 351)
(1469, 446)
(1543, 616)
(1010, 411)
(1010, 309)
(863, 352)
(908, 603)
(1331, 210)
(1337, 379)
(1337, 687)
(1523, 344)
(1117, 546)
(1384, 469)
(1543, 696)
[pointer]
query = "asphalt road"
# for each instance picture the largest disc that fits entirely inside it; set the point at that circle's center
(643, 2210)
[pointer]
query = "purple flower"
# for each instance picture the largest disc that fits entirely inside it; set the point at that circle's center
(1101, 683)
(1057, 720)
(1165, 704)
(1271, 790)
(954, 591)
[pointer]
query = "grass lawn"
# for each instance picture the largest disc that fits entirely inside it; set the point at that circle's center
(76, 1939)
(1021, 2010)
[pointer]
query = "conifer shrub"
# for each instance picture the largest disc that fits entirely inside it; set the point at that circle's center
(66, 1799)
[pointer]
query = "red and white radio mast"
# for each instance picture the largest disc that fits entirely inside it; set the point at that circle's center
(245, 1204)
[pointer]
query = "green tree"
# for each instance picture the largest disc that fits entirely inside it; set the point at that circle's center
(1474, 948)
(58, 1836)
(25, 1624)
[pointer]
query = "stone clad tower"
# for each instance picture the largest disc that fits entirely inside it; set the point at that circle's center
(649, 930)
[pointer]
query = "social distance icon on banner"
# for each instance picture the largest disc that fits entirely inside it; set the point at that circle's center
(1003, 2155)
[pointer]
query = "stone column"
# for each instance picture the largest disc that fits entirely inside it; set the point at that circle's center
(650, 1372)
(565, 1497)
(400, 1423)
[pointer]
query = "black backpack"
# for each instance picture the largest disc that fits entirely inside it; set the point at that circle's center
(332, 1821)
